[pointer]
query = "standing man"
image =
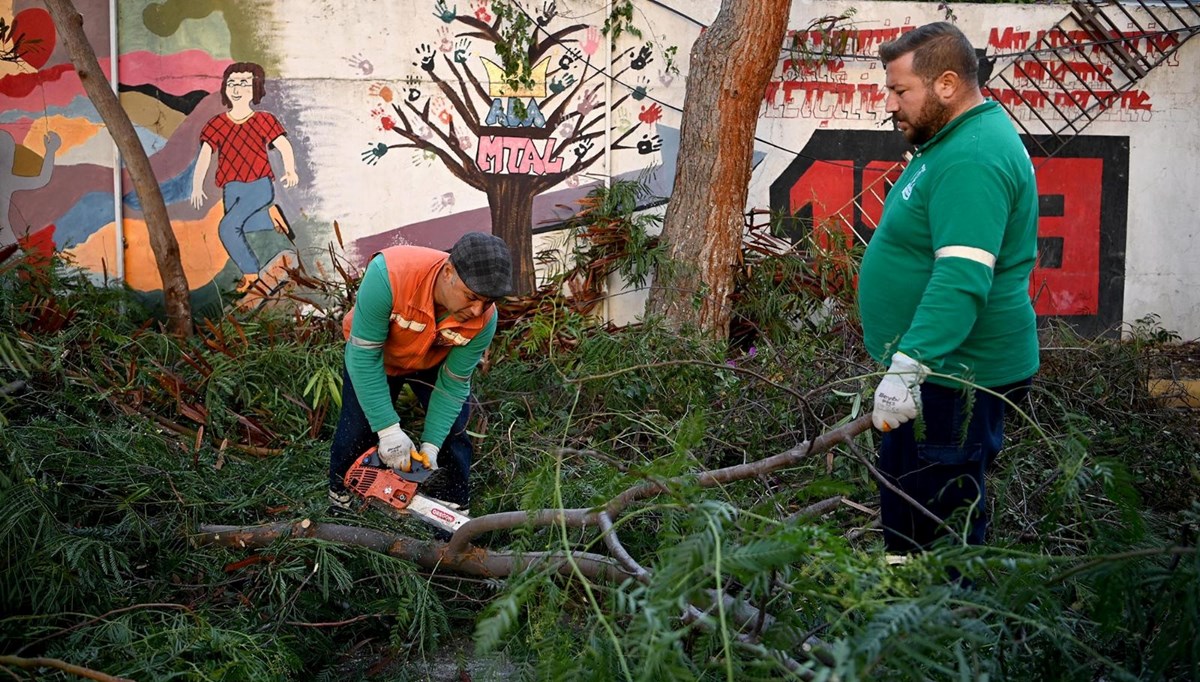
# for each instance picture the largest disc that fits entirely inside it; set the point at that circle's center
(944, 289)
(422, 317)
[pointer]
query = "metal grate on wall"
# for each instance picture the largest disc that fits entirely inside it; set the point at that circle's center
(1085, 64)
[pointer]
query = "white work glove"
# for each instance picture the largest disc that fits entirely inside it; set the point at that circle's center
(431, 451)
(395, 448)
(898, 396)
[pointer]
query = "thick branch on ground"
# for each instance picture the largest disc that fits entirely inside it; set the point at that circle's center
(460, 556)
(80, 671)
(432, 556)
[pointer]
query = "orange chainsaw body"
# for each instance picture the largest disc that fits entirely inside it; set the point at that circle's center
(379, 483)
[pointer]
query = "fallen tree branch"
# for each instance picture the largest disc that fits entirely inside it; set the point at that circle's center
(618, 550)
(34, 663)
(433, 556)
(706, 479)
(339, 623)
(459, 556)
(816, 509)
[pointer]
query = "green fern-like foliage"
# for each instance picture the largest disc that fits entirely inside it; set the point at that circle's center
(125, 440)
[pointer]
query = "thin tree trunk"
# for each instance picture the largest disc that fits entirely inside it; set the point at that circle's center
(512, 217)
(730, 66)
(69, 24)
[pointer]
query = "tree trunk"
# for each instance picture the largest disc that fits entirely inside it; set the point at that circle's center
(69, 24)
(730, 66)
(512, 217)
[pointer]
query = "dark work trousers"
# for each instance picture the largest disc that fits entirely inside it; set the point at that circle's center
(354, 437)
(945, 470)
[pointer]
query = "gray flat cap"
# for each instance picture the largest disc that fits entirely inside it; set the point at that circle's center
(484, 264)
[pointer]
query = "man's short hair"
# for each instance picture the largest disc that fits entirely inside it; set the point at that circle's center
(484, 264)
(937, 48)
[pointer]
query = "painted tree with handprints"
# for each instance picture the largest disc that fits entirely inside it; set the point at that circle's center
(534, 118)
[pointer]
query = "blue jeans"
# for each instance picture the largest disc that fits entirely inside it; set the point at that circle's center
(246, 206)
(944, 471)
(354, 437)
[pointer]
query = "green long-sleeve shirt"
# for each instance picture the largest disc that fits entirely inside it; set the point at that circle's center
(372, 314)
(945, 278)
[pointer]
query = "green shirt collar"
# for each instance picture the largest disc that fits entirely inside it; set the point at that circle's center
(977, 110)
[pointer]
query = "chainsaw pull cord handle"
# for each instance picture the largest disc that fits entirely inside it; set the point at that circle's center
(372, 459)
(417, 456)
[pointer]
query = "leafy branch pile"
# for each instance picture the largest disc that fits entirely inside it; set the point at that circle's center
(119, 442)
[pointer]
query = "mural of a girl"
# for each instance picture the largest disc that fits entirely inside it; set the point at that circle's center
(241, 137)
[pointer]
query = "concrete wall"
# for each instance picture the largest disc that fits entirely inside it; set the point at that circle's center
(1119, 202)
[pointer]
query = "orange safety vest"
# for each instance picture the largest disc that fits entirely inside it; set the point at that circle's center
(415, 339)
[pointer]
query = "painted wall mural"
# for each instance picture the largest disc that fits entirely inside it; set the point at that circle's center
(512, 135)
(170, 96)
(25, 165)
(241, 138)
(398, 121)
(1081, 230)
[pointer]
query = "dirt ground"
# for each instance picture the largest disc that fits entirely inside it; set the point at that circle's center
(1176, 361)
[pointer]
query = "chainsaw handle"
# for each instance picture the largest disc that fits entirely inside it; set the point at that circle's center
(421, 457)
(371, 458)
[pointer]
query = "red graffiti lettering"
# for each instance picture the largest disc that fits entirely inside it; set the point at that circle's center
(1010, 39)
(868, 39)
(812, 66)
(1136, 100)
(1132, 100)
(1057, 37)
(872, 97)
(1075, 98)
(1083, 71)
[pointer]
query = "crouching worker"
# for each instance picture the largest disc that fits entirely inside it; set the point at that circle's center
(423, 318)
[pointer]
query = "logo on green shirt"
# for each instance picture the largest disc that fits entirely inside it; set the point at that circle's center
(908, 188)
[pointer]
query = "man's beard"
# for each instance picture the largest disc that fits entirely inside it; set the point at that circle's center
(932, 117)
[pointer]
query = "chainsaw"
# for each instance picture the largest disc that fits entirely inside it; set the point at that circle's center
(395, 490)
